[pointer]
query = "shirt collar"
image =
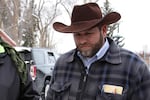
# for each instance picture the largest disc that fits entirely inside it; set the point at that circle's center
(103, 50)
(112, 56)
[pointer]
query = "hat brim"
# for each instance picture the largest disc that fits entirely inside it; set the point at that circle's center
(84, 25)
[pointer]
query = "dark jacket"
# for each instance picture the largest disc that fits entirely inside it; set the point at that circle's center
(10, 84)
(118, 67)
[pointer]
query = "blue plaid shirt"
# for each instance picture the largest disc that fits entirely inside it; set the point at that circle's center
(118, 75)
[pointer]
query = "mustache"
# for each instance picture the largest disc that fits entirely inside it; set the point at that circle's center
(83, 45)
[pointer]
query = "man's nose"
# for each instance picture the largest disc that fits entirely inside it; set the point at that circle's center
(82, 39)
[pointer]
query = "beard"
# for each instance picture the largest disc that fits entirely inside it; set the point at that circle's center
(89, 50)
(87, 53)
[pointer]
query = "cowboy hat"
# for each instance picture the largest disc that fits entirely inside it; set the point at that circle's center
(85, 17)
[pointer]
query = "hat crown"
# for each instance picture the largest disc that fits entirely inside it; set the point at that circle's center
(87, 12)
(85, 17)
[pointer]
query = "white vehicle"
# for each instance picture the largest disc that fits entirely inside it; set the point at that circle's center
(41, 63)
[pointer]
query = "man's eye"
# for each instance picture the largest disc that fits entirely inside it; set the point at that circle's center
(88, 33)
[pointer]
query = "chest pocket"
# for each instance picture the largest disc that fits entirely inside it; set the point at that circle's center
(110, 96)
(61, 90)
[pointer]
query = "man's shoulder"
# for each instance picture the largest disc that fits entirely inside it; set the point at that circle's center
(129, 53)
(132, 56)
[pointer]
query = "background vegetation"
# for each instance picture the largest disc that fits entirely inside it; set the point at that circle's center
(29, 22)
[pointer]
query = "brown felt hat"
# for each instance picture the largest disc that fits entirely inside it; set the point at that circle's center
(85, 17)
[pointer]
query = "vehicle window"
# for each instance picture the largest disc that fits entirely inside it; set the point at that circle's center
(51, 58)
(26, 56)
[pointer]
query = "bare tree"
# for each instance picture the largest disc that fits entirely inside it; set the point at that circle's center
(27, 24)
(9, 12)
(17, 20)
(46, 11)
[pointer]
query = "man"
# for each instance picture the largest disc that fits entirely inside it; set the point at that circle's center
(15, 80)
(97, 69)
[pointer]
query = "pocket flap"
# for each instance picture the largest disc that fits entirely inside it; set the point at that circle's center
(59, 87)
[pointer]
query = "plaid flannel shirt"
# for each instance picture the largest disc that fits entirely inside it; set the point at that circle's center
(118, 67)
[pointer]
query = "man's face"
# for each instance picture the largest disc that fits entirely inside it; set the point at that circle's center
(90, 41)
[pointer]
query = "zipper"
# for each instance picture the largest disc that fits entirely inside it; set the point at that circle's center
(82, 84)
(83, 79)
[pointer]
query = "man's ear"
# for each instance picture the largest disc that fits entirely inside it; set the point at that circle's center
(104, 30)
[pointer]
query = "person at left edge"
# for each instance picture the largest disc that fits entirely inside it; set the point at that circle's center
(15, 80)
